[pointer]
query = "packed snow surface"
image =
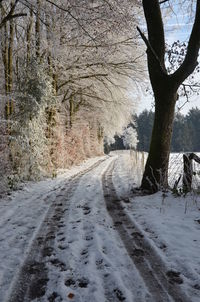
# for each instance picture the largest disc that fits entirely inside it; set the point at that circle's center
(63, 228)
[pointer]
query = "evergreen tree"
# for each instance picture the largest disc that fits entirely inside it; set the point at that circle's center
(181, 138)
(144, 129)
(185, 136)
(193, 122)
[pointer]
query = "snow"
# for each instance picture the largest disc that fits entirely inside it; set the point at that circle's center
(173, 232)
(20, 217)
(94, 250)
(176, 170)
(171, 224)
(85, 258)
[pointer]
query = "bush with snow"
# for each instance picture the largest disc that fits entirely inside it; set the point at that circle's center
(130, 139)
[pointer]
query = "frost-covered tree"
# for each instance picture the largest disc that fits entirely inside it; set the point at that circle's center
(130, 139)
(90, 49)
(89, 55)
(96, 62)
(29, 130)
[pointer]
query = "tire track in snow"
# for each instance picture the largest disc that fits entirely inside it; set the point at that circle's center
(147, 261)
(92, 256)
(31, 279)
(99, 257)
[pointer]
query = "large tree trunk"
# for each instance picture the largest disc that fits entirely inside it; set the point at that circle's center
(165, 88)
(156, 171)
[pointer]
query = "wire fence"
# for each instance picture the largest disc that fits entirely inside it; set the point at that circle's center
(175, 169)
(176, 172)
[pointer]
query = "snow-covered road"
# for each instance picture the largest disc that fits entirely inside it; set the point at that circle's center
(71, 239)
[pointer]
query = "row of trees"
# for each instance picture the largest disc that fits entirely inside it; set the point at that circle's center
(88, 48)
(67, 70)
(185, 136)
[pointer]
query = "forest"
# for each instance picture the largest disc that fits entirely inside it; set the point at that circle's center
(68, 69)
(185, 136)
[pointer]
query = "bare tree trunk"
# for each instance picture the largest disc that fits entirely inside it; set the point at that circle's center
(165, 91)
(156, 170)
(38, 30)
(10, 57)
(71, 111)
(28, 36)
(7, 55)
(10, 103)
(52, 72)
(4, 50)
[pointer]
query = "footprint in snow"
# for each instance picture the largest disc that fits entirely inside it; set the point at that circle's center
(138, 252)
(61, 239)
(70, 282)
(99, 264)
(82, 283)
(197, 286)
(117, 223)
(61, 225)
(50, 236)
(174, 277)
(59, 264)
(38, 288)
(54, 297)
(60, 234)
(163, 246)
(137, 235)
(62, 247)
(88, 238)
(86, 210)
(47, 251)
(119, 294)
(84, 253)
(59, 204)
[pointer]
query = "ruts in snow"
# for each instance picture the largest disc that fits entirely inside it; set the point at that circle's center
(85, 249)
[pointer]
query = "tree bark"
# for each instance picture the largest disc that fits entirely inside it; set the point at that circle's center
(38, 30)
(155, 176)
(165, 88)
(28, 36)
(10, 103)
(10, 57)
(71, 111)
(4, 50)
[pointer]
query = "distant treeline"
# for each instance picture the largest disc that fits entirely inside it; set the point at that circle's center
(186, 132)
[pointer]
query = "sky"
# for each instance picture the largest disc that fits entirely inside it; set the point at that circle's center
(178, 26)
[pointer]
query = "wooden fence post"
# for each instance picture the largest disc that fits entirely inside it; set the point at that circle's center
(188, 170)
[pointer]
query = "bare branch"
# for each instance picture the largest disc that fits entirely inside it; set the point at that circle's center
(10, 14)
(72, 16)
(150, 48)
(190, 61)
(155, 28)
(82, 77)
